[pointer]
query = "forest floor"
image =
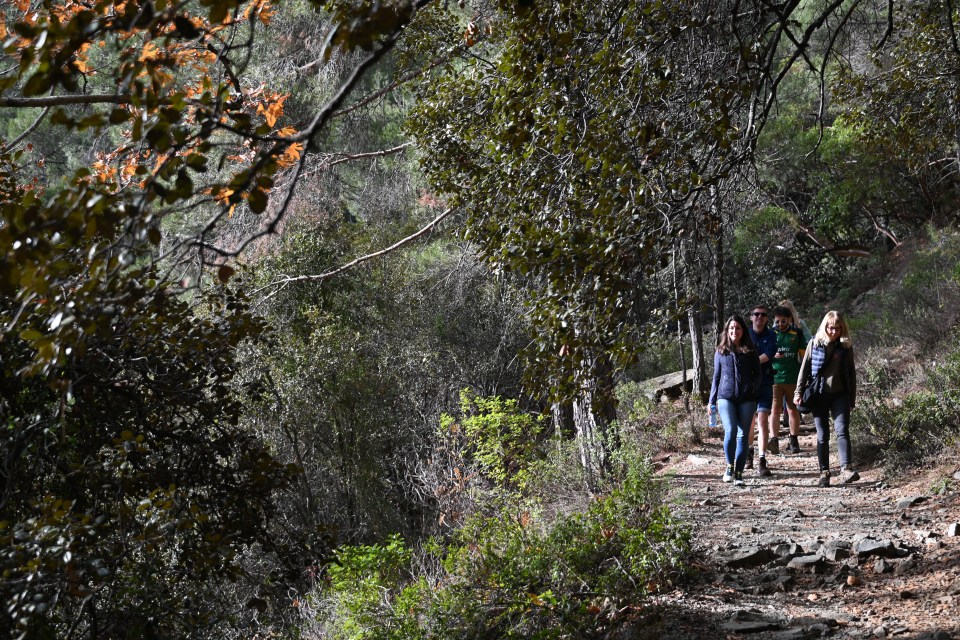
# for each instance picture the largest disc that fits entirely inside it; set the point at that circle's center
(783, 558)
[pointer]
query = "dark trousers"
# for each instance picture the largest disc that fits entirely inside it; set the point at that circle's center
(837, 404)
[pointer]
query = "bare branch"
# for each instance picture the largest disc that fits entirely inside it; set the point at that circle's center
(353, 263)
(830, 247)
(36, 123)
(350, 157)
(393, 85)
(59, 101)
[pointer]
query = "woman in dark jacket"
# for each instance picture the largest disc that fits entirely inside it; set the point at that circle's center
(736, 380)
(831, 351)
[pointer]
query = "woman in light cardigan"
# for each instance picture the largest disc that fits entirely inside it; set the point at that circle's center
(831, 352)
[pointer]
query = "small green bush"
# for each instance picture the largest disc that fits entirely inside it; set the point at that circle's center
(496, 437)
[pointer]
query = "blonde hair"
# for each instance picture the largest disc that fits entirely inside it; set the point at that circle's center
(822, 339)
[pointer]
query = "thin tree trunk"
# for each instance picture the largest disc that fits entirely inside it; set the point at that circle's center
(693, 282)
(719, 317)
(594, 413)
(562, 413)
(683, 355)
(698, 364)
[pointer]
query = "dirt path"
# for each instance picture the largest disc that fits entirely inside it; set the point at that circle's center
(864, 564)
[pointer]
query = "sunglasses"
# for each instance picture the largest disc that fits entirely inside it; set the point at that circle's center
(759, 314)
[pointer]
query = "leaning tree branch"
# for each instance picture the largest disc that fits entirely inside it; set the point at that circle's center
(830, 247)
(393, 85)
(283, 282)
(64, 100)
(350, 157)
(20, 138)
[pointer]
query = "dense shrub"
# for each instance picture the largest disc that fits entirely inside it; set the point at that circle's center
(510, 576)
(922, 422)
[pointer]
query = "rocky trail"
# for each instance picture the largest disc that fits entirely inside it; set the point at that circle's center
(783, 558)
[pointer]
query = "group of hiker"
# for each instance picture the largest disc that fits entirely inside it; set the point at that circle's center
(761, 372)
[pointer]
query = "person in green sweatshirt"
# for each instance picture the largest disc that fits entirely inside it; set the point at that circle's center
(786, 370)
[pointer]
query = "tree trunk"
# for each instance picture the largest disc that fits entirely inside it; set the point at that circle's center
(719, 317)
(563, 420)
(594, 412)
(700, 386)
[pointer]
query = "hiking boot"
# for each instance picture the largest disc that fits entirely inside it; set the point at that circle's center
(749, 464)
(738, 479)
(824, 479)
(794, 444)
(728, 474)
(773, 446)
(762, 469)
(848, 475)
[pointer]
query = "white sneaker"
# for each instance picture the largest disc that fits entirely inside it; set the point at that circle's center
(728, 475)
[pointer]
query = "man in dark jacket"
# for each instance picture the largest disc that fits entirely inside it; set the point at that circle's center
(766, 341)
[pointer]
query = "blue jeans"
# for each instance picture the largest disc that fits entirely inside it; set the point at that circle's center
(736, 418)
(839, 405)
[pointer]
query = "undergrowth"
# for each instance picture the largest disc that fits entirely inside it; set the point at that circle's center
(909, 404)
(513, 567)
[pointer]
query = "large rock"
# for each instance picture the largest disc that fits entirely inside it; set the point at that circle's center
(670, 385)
(747, 558)
(912, 501)
(750, 626)
(813, 564)
(870, 547)
(835, 550)
(788, 550)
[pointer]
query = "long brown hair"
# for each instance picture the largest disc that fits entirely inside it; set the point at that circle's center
(726, 346)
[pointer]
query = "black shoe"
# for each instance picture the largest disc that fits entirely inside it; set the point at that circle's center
(749, 464)
(774, 446)
(794, 444)
(824, 479)
(738, 479)
(762, 469)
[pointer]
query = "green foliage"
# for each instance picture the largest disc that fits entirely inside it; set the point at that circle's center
(925, 285)
(361, 367)
(575, 152)
(922, 424)
(359, 577)
(499, 439)
(919, 423)
(505, 576)
(900, 101)
(129, 492)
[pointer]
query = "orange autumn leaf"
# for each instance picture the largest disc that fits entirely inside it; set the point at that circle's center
(273, 108)
(150, 52)
(223, 196)
(290, 157)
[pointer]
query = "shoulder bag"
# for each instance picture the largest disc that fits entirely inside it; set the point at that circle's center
(812, 396)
